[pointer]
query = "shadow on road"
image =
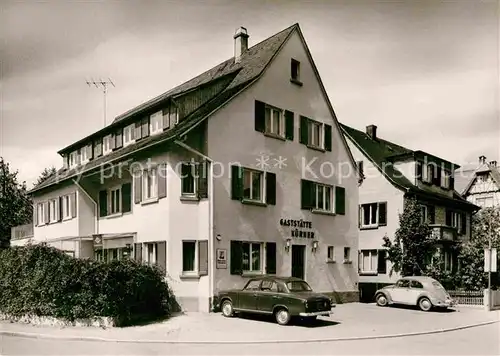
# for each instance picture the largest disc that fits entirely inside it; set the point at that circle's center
(295, 321)
(413, 307)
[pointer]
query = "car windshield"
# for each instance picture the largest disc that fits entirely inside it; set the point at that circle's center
(298, 286)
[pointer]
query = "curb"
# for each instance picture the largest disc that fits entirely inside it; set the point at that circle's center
(199, 342)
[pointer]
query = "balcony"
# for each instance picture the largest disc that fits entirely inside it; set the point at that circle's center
(21, 232)
(443, 232)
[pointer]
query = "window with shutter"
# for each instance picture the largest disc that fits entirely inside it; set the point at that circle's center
(188, 256)
(73, 204)
(274, 121)
(188, 181)
(137, 186)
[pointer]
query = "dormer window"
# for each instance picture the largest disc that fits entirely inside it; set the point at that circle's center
(119, 139)
(445, 180)
(129, 135)
(72, 159)
(107, 144)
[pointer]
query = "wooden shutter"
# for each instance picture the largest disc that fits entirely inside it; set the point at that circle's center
(162, 180)
(452, 181)
(307, 200)
(289, 125)
(463, 226)
(360, 215)
(360, 170)
(73, 204)
(340, 200)
(138, 252)
(271, 258)
(90, 151)
(437, 179)
(137, 187)
(304, 130)
(166, 117)
(448, 217)
(381, 262)
(103, 203)
(35, 214)
(138, 130)
(419, 170)
(119, 139)
(203, 257)
(236, 257)
(161, 249)
(328, 138)
(132, 131)
(236, 182)
(431, 209)
(79, 156)
(173, 115)
(382, 213)
(112, 142)
(60, 203)
(127, 197)
(46, 212)
(270, 188)
(145, 127)
(202, 177)
(260, 116)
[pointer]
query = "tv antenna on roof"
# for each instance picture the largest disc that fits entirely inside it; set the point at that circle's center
(102, 84)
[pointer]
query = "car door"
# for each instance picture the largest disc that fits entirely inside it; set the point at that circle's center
(268, 296)
(416, 288)
(249, 295)
(399, 294)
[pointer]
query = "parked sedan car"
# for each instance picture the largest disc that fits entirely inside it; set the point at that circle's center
(424, 292)
(283, 297)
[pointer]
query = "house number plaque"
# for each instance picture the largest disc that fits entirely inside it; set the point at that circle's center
(297, 226)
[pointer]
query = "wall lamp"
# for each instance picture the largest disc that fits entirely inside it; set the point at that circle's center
(218, 237)
(287, 245)
(314, 246)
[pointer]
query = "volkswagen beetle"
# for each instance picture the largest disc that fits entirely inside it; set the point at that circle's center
(424, 292)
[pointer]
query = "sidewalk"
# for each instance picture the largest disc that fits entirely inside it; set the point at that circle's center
(349, 321)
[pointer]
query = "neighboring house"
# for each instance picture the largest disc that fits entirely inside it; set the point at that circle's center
(391, 174)
(242, 146)
(483, 186)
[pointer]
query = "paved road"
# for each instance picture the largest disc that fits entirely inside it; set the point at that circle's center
(483, 340)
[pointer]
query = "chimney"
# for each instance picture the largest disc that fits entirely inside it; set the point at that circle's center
(371, 130)
(493, 164)
(482, 159)
(240, 43)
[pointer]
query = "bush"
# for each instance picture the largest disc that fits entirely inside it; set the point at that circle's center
(37, 280)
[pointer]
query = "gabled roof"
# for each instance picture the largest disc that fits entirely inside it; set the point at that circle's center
(382, 152)
(482, 169)
(241, 75)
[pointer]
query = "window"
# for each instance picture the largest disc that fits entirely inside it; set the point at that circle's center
(188, 181)
(403, 283)
(53, 210)
(188, 256)
(448, 261)
(416, 284)
(368, 261)
(347, 254)
(156, 123)
(483, 177)
(298, 286)
(485, 202)
(252, 185)
(98, 148)
(445, 179)
(145, 127)
(295, 70)
(129, 135)
(150, 185)
(330, 254)
(251, 257)
(274, 121)
(269, 286)
(115, 201)
(66, 208)
(41, 214)
(107, 147)
(315, 134)
(382, 262)
(373, 215)
(423, 214)
(430, 170)
(324, 197)
(84, 155)
(72, 159)
(253, 284)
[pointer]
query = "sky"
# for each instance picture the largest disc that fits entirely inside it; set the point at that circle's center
(425, 72)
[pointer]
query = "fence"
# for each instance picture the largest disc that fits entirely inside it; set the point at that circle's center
(468, 297)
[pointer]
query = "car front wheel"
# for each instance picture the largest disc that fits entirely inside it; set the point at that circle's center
(424, 304)
(381, 300)
(282, 316)
(227, 309)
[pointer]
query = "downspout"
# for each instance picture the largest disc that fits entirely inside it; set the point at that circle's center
(96, 224)
(211, 253)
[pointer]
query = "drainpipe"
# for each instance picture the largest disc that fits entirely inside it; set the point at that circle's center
(210, 215)
(96, 224)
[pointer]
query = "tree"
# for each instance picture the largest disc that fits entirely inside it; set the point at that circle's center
(485, 226)
(413, 243)
(16, 207)
(46, 173)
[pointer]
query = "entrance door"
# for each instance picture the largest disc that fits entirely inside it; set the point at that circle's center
(298, 261)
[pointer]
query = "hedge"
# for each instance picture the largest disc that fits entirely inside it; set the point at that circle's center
(37, 280)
